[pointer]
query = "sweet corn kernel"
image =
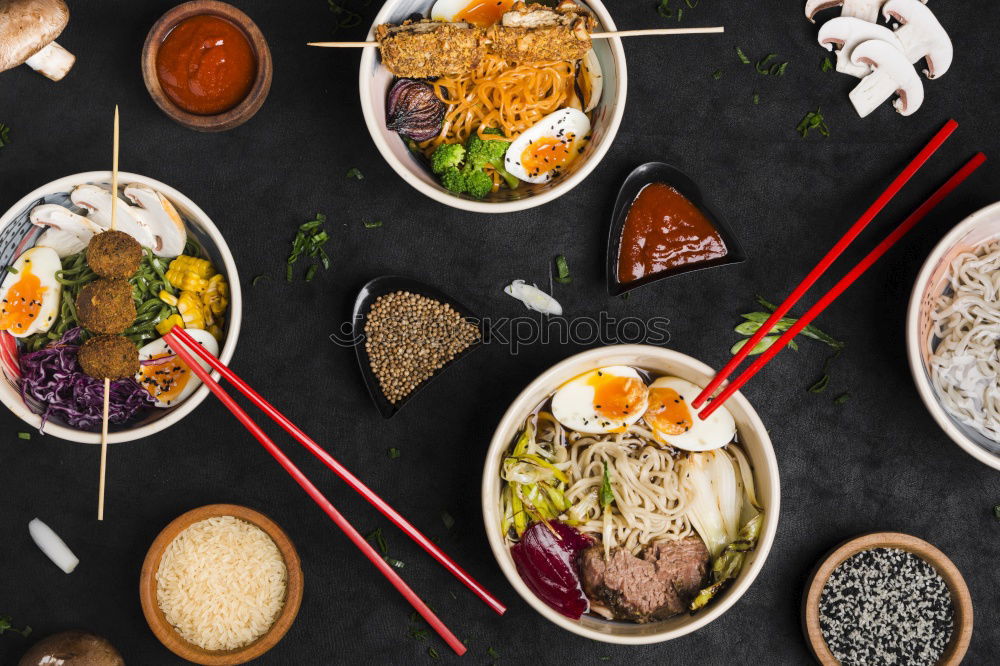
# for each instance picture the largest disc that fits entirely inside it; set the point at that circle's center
(164, 326)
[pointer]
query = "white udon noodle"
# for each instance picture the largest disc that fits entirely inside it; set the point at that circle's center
(965, 364)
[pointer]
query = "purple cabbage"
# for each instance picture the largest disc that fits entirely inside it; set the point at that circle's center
(413, 110)
(548, 565)
(53, 377)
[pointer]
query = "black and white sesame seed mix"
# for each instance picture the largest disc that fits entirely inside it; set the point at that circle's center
(886, 606)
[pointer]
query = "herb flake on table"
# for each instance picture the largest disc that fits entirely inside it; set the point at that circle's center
(4, 135)
(996, 511)
(762, 67)
(345, 17)
(827, 65)
(356, 174)
(742, 56)
(562, 270)
(447, 519)
(842, 398)
(6, 624)
(813, 121)
(375, 537)
(433, 653)
(491, 653)
(24, 435)
(309, 241)
(393, 453)
(664, 10)
(373, 225)
(717, 74)
(756, 98)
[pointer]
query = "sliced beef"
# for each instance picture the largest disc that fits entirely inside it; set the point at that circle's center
(659, 584)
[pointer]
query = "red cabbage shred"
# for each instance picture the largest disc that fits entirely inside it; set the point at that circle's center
(548, 565)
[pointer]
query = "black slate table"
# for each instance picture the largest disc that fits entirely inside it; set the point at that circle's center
(876, 462)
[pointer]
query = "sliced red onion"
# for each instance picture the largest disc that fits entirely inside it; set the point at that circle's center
(548, 565)
(162, 360)
(413, 110)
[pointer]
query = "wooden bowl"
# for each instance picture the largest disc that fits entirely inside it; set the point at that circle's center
(961, 601)
(235, 116)
(166, 633)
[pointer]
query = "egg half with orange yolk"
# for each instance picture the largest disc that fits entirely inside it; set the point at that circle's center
(480, 13)
(29, 294)
(167, 378)
(600, 401)
(673, 420)
(549, 147)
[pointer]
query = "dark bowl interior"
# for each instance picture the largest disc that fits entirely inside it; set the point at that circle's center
(657, 172)
(366, 298)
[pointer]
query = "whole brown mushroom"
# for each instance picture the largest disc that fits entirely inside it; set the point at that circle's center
(72, 648)
(28, 30)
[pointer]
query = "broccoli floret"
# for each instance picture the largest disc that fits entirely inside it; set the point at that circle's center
(480, 152)
(477, 182)
(454, 180)
(447, 156)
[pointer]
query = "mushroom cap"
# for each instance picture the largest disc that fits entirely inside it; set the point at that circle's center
(27, 27)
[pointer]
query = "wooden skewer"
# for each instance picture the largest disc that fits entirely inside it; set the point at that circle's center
(595, 35)
(107, 382)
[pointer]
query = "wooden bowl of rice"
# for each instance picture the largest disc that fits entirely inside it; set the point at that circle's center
(221, 584)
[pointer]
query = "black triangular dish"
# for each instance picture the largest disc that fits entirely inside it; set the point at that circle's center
(657, 172)
(366, 297)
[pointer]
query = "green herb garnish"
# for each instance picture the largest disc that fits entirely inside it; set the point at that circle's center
(562, 270)
(345, 17)
(813, 121)
(373, 225)
(393, 453)
(433, 653)
(4, 135)
(742, 56)
(24, 435)
(996, 514)
(756, 98)
(309, 240)
(761, 65)
(258, 278)
(778, 69)
(448, 521)
(754, 320)
(664, 10)
(492, 654)
(417, 633)
(717, 74)
(375, 536)
(842, 398)
(606, 496)
(820, 385)
(11, 269)
(5, 625)
(827, 65)
(355, 173)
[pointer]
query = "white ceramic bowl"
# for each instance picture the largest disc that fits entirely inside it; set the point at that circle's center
(375, 81)
(18, 234)
(980, 227)
(753, 437)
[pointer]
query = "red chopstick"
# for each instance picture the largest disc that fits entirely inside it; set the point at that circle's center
(845, 282)
(338, 469)
(178, 348)
(827, 260)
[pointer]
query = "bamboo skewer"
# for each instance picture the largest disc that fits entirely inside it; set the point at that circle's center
(107, 381)
(596, 35)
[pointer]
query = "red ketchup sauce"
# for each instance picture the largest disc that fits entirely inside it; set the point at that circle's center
(206, 65)
(664, 230)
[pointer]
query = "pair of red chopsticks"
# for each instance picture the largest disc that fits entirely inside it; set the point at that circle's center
(183, 344)
(846, 281)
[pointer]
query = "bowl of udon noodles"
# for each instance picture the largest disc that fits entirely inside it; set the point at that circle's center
(952, 332)
(618, 513)
(186, 276)
(562, 114)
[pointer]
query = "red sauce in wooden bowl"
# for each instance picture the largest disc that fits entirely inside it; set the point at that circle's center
(206, 65)
(664, 230)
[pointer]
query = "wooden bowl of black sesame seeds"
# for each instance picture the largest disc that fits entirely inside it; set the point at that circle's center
(405, 334)
(887, 598)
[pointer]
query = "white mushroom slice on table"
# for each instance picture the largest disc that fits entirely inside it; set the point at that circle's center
(866, 10)
(892, 74)
(98, 202)
(28, 29)
(65, 232)
(845, 33)
(921, 34)
(160, 216)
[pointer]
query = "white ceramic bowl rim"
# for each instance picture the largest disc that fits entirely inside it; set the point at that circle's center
(190, 209)
(917, 368)
(571, 181)
(517, 412)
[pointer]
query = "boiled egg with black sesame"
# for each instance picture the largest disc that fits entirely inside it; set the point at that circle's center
(480, 13)
(548, 147)
(167, 378)
(674, 422)
(29, 294)
(605, 400)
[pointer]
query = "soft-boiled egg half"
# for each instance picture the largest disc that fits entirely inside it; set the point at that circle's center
(167, 378)
(675, 422)
(600, 401)
(481, 13)
(548, 147)
(29, 294)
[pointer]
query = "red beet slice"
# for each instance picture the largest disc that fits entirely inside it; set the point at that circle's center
(548, 565)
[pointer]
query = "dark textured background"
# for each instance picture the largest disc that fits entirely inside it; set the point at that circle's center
(877, 462)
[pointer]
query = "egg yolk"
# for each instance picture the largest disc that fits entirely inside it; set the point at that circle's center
(484, 13)
(23, 301)
(668, 413)
(615, 397)
(547, 154)
(165, 380)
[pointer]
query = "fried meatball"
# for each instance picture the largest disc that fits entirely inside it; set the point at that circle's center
(114, 254)
(111, 356)
(105, 306)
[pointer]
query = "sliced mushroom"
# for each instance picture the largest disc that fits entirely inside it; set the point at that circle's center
(28, 29)
(866, 10)
(891, 74)
(98, 202)
(65, 232)
(921, 35)
(845, 33)
(160, 217)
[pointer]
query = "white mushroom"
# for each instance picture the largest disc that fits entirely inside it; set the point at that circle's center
(28, 29)
(846, 32)
(921, 35)
(98, 201)
(866, 10)
(160, 216)
(65, 232)
(892, 74)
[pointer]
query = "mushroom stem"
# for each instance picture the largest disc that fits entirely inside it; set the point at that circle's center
(53, 61)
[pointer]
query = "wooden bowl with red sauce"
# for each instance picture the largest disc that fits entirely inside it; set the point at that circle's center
(662, 226)
(207, 65)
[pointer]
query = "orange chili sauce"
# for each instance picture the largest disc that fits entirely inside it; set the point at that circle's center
(664, 230)
(205, 65)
